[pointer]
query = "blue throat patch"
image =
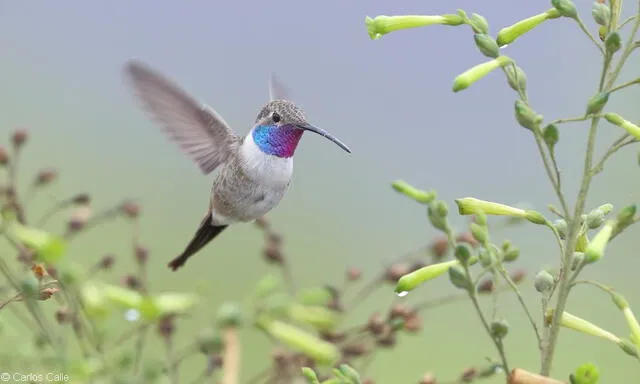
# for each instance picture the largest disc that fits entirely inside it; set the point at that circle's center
(278, 141)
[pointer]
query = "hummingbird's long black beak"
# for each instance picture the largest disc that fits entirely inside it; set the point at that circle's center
(323, 133)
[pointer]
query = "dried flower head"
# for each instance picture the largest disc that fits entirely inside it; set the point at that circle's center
(19, 137)
(130, 209)
(45, 176)
(439, 247)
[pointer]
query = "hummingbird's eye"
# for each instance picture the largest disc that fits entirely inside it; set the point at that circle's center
(275, 117)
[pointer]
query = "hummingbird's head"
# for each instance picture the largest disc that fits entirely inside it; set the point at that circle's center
(279, 127)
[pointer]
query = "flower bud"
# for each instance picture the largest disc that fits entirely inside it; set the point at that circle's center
(526, 117)
(499, 329)
(516, 78)
(626, 215)
(595, 219)
(551, 136)
(437, 213)
(561, 226)
(613, 42)
(511, 255)
(229, 315)
(45, 177)
(459, 279)
(543, 282)
(605, 208)
(601, 13)
(19, 137)
(381, 25)
(628, 126)
(471, 206)
(209, 341)
(586, 373)
(577, 324)
(463, 253)
(628, 347)
(479, 233)
(424, 197)
(487, 45)
(509, 34)
(470, 76)
(319, 350)
(486, 258)
(566, 8)
(597, 103)
(479, 23)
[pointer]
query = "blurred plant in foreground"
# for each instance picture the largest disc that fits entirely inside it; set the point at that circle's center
(111, 319)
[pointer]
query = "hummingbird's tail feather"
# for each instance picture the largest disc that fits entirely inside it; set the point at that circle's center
(205, 233)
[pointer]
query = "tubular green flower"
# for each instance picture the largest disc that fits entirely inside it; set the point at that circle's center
(412, 280)
(596, 248)
(509, 34)
(471, 206)
(581, 325)
(470, 76)
(628, 126)
(381, 25)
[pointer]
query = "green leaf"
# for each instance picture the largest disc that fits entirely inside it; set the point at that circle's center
(48, 248)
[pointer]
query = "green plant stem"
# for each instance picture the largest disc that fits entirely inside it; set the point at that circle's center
(564, 288)
(627, 21)
(589, 35)
(512, 285)
(569, 120)
(173, 369)
(625, 85)
(474, 300)
(623, 141)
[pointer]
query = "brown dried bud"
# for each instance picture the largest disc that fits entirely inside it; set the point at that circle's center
(518, 275)
(45, 176)
(273, 254)
(428, 378)
(166, 326)
(280, 357)
(107, 261)
(303, 361)
(368, 381)
(131, 282)
(469, 374)
(4, 156)
(63, 314)
(467, 237)
(81, 198)
(333, 336)
(46, 293)
(262, 223)
(398, 310)
(395, 272)
(354, 274)
(79, 217)
(376, 324)
(439, 247)
(131, 209)
(486, 286)
(19, 137)
(387, 338)
(141, 253)
(413, 323)
(354, 350)
(214, 362)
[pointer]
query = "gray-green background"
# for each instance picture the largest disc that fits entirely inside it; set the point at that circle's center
(390, 100)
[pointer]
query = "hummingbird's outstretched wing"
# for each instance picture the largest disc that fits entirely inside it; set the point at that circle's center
(197, 129)
(277, 90)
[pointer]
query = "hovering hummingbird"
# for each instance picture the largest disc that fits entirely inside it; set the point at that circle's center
(254, 171)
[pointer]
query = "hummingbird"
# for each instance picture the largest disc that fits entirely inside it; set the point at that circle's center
(254, 171)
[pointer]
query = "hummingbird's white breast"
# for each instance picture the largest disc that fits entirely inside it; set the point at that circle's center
(250, 185)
